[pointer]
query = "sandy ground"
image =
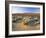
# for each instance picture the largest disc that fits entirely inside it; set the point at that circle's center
(22, 27)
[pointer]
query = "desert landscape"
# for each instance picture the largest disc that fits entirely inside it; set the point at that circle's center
(24, 22)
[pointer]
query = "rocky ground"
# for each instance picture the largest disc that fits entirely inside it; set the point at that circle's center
(22, 27)
(25, 18)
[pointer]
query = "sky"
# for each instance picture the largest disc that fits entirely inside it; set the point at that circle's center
(25, 10)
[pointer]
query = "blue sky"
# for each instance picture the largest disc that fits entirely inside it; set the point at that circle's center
(25, 10)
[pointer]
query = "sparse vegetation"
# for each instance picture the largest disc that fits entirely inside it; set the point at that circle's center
(26, 22)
